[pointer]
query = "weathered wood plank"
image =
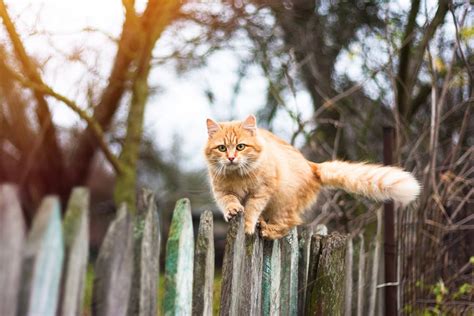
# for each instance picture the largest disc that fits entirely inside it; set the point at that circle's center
(314, 256)
(361, 278)
(349, 283)
(250, 297)
(179, 262)
(271, 272)
(114, 267)
(304, 245)
(43, 261)
(326, 296)
(76, 242)
(146, 236)
(12, 239)
(289, 274)
(204, 266)
(232, 266)
(375, 264)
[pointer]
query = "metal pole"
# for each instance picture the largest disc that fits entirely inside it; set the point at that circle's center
(390, 246)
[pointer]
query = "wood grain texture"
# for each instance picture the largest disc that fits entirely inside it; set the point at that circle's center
(146, 235)
(304, 244)
(204, 266)
(314, 256)
(179, 262)
(328, 274)
(114, 267)
(42, 262)
(349, 282)
(12, 239)
(232, 266)
(76, 242)
(271, 277)
(250, 297)
(289, 273)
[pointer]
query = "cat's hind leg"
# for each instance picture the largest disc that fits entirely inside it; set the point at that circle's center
(269, 230)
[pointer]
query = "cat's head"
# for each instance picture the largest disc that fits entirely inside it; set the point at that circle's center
(233, 146)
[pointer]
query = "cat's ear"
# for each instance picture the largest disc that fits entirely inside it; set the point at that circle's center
(212, 127)
(250, 124)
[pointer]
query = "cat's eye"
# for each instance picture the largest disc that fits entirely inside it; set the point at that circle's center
(240, 147)
(221, 148)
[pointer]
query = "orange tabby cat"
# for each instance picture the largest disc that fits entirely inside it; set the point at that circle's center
(255, 172)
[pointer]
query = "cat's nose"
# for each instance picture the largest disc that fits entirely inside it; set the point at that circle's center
(231, 158)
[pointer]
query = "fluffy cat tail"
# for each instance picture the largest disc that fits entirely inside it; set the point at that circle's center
(374, 181)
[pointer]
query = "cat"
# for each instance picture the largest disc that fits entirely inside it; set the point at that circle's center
(253, 171)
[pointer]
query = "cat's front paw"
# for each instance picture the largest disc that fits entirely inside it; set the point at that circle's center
(232, 210)
(249, 228)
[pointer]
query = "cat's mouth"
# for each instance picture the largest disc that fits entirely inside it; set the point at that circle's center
(231, 165)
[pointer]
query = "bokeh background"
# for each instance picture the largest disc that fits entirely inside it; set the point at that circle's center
(113, 95)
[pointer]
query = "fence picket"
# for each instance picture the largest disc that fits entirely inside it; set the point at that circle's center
(42, 262)
(179, 262)
(314, 256)
(271, 272)
(232, 266)
(289, 274)
(326, 279)
(349, 277)
(114, 267)
(361, 277)
(250, 298)
(204, 266)
(304, 245)
(11, 225)
(76, 242)
(146, 235)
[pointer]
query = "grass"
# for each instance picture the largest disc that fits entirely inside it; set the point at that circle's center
(216, 298)
(86, 310)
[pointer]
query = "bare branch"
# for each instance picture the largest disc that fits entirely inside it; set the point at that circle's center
(53, 155)
(403, 64)
(93, 124)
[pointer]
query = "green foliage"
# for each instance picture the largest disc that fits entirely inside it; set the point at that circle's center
(442, 297)
(467, 33)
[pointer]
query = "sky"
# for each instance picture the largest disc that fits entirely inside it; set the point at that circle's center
(180, 107)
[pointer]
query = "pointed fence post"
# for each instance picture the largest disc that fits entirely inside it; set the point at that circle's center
(204, 266)
(179, 262)
(12, 239)
(114, 267)
(271, 278)
(289, 274)
(146, 239)
(43, 262)
(232, 267)
(76, 242)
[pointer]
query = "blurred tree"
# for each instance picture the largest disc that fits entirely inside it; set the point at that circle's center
(33, 155)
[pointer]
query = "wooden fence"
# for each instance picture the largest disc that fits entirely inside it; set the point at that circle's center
(42, 272)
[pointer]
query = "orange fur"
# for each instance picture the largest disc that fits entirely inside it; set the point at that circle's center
(273, 184)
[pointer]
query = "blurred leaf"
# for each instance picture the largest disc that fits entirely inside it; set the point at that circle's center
(466, 33)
